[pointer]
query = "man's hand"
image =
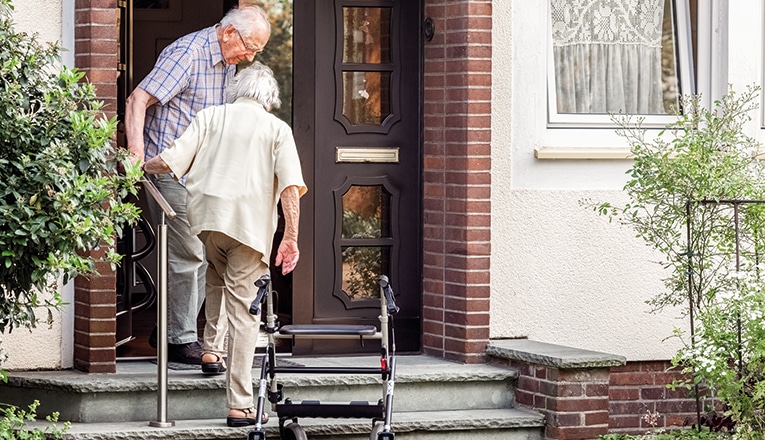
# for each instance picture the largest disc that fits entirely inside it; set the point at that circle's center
(287, 256)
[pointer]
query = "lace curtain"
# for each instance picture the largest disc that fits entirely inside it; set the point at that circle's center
(607, 55)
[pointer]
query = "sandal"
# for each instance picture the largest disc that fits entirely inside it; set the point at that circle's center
(216, 367)
(248, 419)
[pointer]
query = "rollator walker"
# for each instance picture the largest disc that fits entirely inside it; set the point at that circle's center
(290, 411)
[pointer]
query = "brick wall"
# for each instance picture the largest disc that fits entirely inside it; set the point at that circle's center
(457, 180)
(639, 388)
(97, 54)
(593, 399)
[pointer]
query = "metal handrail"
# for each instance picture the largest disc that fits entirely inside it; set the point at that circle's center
(167, 211)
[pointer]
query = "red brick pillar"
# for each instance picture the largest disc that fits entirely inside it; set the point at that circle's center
(574, 401)
(95, 326)
(97, 54)
(457, 180)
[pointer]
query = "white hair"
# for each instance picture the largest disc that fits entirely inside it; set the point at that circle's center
(256, 81)
(247, 19)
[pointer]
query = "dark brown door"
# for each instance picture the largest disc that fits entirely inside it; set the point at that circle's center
(357, 121)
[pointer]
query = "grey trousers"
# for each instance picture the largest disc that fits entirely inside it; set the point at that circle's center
(186, 264)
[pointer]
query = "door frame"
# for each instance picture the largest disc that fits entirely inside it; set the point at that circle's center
(303, 126)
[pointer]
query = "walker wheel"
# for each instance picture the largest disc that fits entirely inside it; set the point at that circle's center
(293, 431)
(375, 430)
(377, 433)
(256, 435)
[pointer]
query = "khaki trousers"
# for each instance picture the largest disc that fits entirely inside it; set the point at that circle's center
(232, 271)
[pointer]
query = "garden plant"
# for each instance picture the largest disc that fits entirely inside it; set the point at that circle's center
(63, 186)
(696, 194)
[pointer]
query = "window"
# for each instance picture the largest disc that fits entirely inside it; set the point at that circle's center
(618, 56)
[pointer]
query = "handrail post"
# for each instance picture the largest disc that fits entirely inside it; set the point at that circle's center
(167, 210)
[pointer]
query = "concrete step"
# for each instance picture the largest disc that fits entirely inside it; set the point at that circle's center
(432, 399)
(131, 394)
(477, 424)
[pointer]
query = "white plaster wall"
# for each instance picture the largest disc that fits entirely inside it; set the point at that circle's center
(39, 16)
(560, 273)
(46, 347)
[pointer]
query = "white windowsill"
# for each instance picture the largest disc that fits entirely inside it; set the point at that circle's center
(583, 153)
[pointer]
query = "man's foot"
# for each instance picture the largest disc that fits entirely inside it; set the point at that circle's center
(153, 338)
(190, 353)
(244, 417)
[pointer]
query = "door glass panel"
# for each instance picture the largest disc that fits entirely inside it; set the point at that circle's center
(362, 267)
(366, 215)
(365, 212)
(366, 35)
(366, 97)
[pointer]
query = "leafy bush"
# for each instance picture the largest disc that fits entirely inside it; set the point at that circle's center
(13, 424)
(699, 199)
(60, 193)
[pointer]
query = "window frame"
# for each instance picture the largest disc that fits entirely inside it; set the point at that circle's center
(684, 56)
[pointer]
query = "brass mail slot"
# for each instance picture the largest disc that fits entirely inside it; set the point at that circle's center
(377, 155)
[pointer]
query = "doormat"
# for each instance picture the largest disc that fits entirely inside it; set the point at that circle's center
(257, 361)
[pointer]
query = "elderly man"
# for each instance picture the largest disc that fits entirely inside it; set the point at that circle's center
(239, 160)
(191, 74)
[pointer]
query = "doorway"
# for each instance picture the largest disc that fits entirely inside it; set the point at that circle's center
(350, 79)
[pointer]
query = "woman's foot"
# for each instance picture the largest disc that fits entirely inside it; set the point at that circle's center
(244, 417)
(212, 363)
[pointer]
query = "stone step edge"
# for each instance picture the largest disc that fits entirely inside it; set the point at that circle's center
(98, 383)
(430, 421)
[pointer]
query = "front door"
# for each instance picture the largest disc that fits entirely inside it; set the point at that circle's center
(357, 121)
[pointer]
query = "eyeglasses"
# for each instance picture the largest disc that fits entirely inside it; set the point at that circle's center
(248, 48)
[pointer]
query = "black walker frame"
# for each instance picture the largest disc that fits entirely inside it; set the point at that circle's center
(270, 389)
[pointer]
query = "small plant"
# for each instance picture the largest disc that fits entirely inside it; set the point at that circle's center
(13, 424)
(655, 433)
(677, 434)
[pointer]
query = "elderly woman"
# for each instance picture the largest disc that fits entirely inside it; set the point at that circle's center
(239, 161)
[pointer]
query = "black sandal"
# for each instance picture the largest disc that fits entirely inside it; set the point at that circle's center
(216, 367)
(248, 419)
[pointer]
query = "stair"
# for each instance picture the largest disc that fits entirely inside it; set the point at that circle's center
(432, 397)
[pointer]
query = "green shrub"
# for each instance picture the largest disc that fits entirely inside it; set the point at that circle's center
(13, 424)
(60, 193)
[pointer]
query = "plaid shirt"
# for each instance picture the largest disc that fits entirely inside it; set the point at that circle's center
(189, 75)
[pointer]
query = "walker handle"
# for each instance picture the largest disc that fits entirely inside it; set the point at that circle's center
(262, 283)
(390, 298)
